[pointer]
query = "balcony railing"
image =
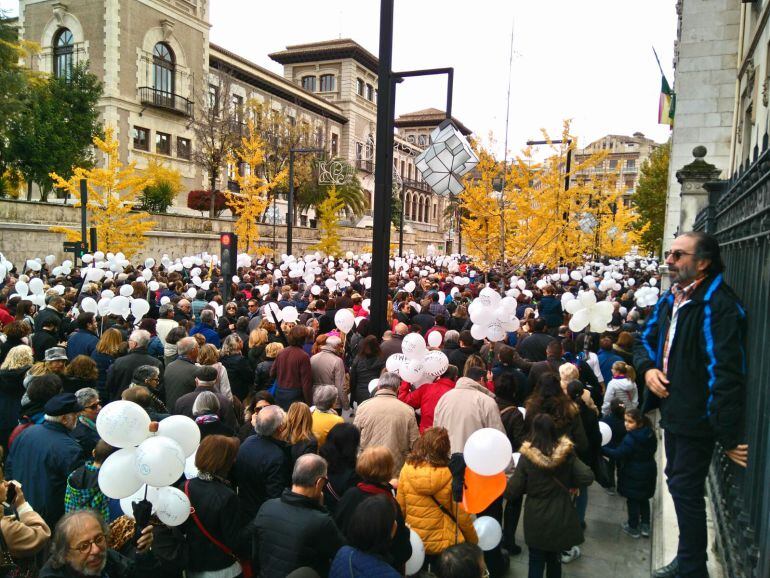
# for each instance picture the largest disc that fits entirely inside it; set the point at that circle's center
(417, 185)
(166, 100)
(365, 165)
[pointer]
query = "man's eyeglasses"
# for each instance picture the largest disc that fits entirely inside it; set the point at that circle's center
(324, 480)
(676, 254)
(252, 305)
(93, 405)
(84, 547)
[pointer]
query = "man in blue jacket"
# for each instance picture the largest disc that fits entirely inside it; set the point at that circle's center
(84, 339)
(692, 356)
(43, 456)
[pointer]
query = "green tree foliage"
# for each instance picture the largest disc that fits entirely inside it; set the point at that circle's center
(649, 199)
(311, 194)
(56, 128)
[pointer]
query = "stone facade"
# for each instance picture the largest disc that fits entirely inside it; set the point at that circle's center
(25, 234)
(705, 63)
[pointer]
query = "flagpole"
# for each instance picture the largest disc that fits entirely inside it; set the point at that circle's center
(658, 61)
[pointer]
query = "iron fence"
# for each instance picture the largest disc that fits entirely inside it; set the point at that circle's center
(738, 214)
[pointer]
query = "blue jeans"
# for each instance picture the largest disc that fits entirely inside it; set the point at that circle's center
(686, 470)
(638, 511)
(541, 562)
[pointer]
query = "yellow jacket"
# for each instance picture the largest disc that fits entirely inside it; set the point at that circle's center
(417, 485)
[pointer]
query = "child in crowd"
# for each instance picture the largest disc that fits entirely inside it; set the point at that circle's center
(621, 387)
(616, 421)
(638, 471)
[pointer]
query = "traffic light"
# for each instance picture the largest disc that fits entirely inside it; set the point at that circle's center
(228, 244)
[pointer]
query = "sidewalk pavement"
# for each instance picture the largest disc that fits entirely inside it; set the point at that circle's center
(607, 550)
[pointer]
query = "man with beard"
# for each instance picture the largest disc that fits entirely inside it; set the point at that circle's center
(79, 548)
(691, 355)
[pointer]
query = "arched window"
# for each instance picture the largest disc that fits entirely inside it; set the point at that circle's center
(63, 52)
(163, 64)
(408, 207)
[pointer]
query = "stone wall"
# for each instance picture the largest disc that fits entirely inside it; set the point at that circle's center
(25, 233)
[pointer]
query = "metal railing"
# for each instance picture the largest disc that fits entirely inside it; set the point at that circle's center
(737, 214)
(166, 100)
(365, 165)
(417, 185)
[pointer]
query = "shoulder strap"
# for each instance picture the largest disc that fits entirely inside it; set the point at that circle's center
(508, 409)
(203, 530)
(443, 509)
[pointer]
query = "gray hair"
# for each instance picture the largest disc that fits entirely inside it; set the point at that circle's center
(324, 396)
(165, 309)
(85, 395)
(143, 373)
(140, 337)
(207, 316)
(269, 420)
(307, 469)
(633, 315)
(230, 344)
(65, 528)
(452, 336)
(186, 345)
(389, 380)
(207, 402)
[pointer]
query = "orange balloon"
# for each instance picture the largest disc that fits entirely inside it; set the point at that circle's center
(480, 491)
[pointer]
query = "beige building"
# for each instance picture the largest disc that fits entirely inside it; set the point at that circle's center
(160, 71)
(625, 156)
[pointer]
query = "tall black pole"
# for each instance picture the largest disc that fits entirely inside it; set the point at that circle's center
(383, 174)
(84, 212)
(290, 204)
(401, 225)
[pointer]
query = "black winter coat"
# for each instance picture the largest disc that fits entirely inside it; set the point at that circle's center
(638, 470)
(706, 363)
(362, 371)
(262, 374)
(219, 511)
(291, 532)
(121, 372)
(118, 566)
(262, 471)
(513, 422)
(42, 340)
(240, 375)
(11, 392)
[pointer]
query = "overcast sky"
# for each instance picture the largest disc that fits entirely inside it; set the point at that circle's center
(588, 60)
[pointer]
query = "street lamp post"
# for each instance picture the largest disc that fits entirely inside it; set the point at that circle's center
(383, 169)
(290, 201)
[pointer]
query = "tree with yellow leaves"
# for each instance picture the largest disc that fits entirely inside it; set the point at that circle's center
(253, 197)
(328, 224)
(112, 192)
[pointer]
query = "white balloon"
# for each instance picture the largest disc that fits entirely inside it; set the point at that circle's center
(123, 424)
(190, 469)
(173, 506)
(413, 346)
(487, 451)
(516, 456)
(139, 308)
(138, 496)
(89, 305)
(495, 331)
(478, 331)
(606, 432)
(182, 430)
(273, 313)
(411, 370)
(344, 320)
(159, 461)
(435, 363)
(587, 298)
(36, 286)
(50, 260)
(394, 361)
(192, 292)
(290, 314)
(373, 386)
(489, 532)
(653, 282)
(410, 286)
(147, 274)
(153, 285)
(120, 305)
(103, 307)
(435, 339)
(580, 319)
(117, 477)
(34, 265)
(573, 305)
(21, 288)
(415, 562)
(126, 290)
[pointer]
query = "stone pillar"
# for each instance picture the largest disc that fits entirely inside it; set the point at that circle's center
(694, 195)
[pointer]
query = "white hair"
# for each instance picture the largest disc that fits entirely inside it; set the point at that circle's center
(141, 337)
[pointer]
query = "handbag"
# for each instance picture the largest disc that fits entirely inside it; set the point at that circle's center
(11, 568)
(246, 567)
(7, 563)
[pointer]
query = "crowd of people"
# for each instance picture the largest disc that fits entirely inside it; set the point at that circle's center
(317, 458)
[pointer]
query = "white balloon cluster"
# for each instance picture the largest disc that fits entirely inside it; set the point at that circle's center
(416, 364)
(647, 296)
(492, 315)
(147, 464)
(585, 311)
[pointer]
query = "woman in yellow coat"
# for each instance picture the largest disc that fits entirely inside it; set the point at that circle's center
(425, 495)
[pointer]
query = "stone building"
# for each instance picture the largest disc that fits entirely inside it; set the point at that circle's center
(625, 157)
(160, 70)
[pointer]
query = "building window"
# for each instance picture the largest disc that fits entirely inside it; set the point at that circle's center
(214, 99)
(422, 140)
(369, 92)
(613, 164)
(359, 87)
(308, 83)
(163, 69)
(630, 164)
(141, 138)
(237, 102)
(183, 148)
(162, 143)
(63, 52)
(335, 145)
(327, 83)
(359, 150)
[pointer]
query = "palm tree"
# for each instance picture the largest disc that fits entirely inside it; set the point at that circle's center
(309, 193)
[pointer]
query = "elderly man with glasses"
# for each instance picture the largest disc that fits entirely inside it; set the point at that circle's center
(692, 357)
(79, 548)
(85, 431)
